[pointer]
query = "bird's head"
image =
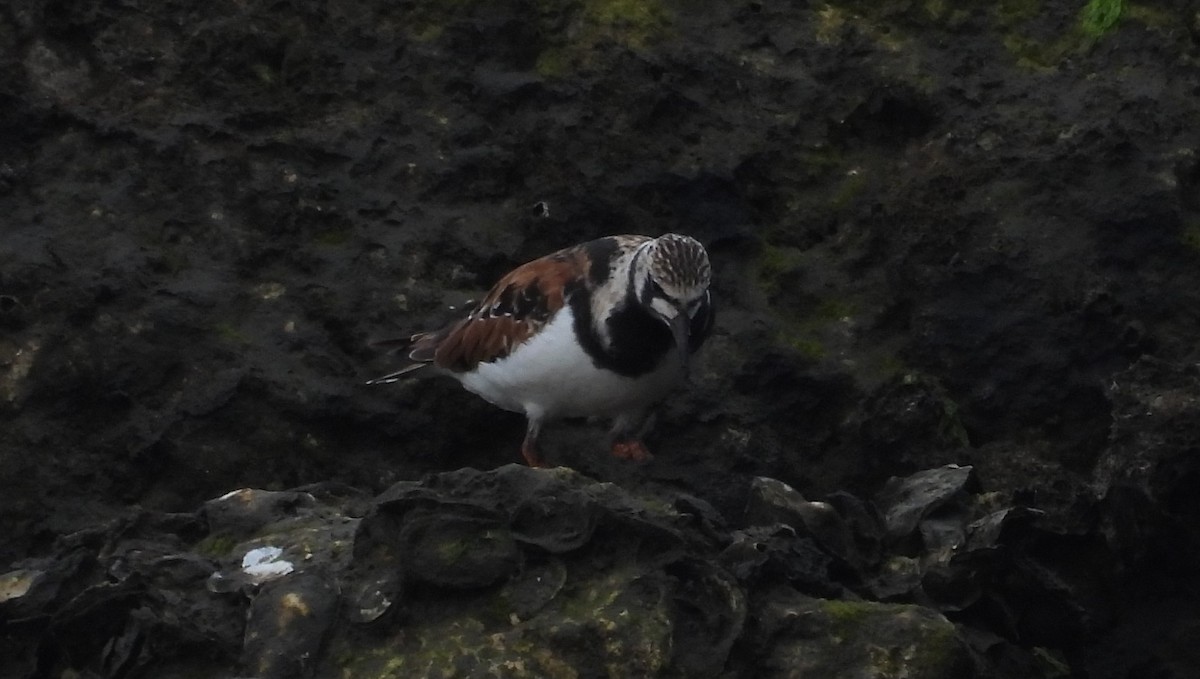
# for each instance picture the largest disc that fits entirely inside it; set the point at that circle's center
(674, 276)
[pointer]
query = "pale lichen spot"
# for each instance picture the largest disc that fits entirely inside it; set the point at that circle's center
(291, 607)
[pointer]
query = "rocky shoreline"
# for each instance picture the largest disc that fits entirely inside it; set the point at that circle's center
(946, 425)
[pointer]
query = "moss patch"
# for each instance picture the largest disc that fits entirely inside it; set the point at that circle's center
(231, 333)
(610, 619)
(630, 23)
(890, 640)
(216, 545)
(775, 265)
(1101, 16)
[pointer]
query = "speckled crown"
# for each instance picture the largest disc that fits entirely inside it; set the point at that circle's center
(680, 265)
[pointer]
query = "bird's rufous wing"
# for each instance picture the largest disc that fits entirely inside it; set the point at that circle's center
(515, 308)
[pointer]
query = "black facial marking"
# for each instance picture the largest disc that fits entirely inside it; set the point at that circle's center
(639, 341)
(651, 290)
(600, 252)
(702, 322)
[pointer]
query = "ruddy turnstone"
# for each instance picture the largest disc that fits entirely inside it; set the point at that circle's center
(601, 329)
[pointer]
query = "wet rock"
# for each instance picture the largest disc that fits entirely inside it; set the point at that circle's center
(287, 624)
(456, 551)
(537, 571)
(555, 523)
(370, 597)
(1146, 480)
(1146, 475)
(941, 234)
(709, 616)
(121, 599)
(242, 513)
(536, 585)
(909, 503)
(774, 502)
(821, 637)
(909, 420)
(596, 587)
(261, 536)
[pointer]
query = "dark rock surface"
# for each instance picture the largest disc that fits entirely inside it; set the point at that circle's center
(515, 572)
(948, 419)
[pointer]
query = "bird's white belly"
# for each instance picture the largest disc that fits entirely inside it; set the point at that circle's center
(550, 376)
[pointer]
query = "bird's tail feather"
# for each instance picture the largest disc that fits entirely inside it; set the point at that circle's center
(398, 375)
(397, 345)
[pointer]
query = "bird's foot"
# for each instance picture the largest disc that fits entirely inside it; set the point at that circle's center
(632, 449)
(532, 458)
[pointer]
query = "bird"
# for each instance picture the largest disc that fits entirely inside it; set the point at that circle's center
(602, 329)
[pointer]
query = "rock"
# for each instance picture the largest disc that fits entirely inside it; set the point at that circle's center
(597, 586)
(908, 503)
(531, 571)
(288, 620)
(456, 551)
(556, 523)
(241, 513)
(772, 552)
(1146, 476)
(941, 233)
(775, 502)
(822, 637)
(709, 617)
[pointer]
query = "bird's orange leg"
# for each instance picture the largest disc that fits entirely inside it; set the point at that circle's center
(631, 449)
(529, 446)
(626, 437)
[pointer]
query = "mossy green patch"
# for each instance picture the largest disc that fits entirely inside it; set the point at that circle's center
(635, 631)
(333, 237)
(638, 20)
(834, 309)
(808, 347)
(1101, 16)
(1096, 19)
(848, 613)
(569, 30)
(1010, 12)
(1150, 16)
(608, 613)
(635, 24)
(930, 646)
(553, 62)
(774, 263)
(848, 190)
(821, 161)
(446, 648)
(216, 545)
(452, 550)
(805, 335)
(231, 333)
(944, 13)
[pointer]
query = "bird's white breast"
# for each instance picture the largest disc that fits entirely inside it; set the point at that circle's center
(551, 375)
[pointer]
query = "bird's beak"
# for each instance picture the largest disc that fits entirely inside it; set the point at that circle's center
(680, 330)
